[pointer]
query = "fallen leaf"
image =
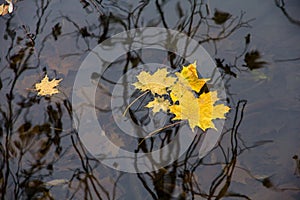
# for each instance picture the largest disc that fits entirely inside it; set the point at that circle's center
(156, 83)
(221, 17)
(10, 6)
(189, 74)
(188, 109)
(56, 182)
(3, 9)
(46, 87)
(199, 111)
(187, 80)
(252, 60)
(159, 103)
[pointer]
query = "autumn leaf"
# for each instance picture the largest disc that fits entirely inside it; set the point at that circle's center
(221, 17)
(187, 109)
(157, 83)
(4, 9)
(159, 103)
(46, 87)
(199, 111)
(252, 60)
(209, 110)
(189, 76)
(187, 80)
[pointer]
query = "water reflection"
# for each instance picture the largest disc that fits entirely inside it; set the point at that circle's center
(42, 156)
(281, 4)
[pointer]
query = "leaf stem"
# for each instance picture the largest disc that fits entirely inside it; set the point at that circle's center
(158, 130)
(127, 108)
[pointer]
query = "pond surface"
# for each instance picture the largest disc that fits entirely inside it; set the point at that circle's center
(255, 47)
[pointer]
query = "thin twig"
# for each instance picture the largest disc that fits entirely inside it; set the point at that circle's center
(127, 108)
(158, 130)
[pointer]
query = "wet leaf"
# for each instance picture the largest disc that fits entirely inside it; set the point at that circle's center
(95, 76)
(221, 17)
(46, 87)
(10, 6)
(56, 182)
(4, 8)
(157, 83)
(247, 39)
(252, 60)
(84, 32)
(159, 103)
(267, 183)
(187, 80)
(189, 77)
(225, 67)
(199, 111)
(56, 31)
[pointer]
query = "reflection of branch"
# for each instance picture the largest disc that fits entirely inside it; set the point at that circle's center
(230, 166)
(281, 4)
(228, 30)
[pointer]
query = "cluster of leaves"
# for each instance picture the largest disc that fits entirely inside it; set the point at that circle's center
(4, 8)
(178, 94)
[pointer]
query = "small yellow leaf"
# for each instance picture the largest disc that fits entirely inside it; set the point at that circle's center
(56, 182)
(159, 103)
(4, 9)
(46, 87)
(156, 83)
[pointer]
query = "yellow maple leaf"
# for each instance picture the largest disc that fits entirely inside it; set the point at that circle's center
(199, 111)
(159, 103)
(4, 9)
(46, 87)
(157, 83)
(187, 109)
(187, 79)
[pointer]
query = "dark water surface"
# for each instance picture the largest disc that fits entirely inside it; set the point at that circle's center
(256, 47)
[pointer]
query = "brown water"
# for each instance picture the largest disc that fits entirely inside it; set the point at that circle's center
(255, 45)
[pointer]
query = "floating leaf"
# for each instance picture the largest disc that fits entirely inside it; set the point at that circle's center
(56, 31)
(188, 109)
(225, 67)
(221, 17)
(10, 6)
(187, 80)
(159, 103)
(199, 111)
(189, 73)
(4, 9)
(46, 87)
(156, 83)
(56, 182)
(252, 60)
